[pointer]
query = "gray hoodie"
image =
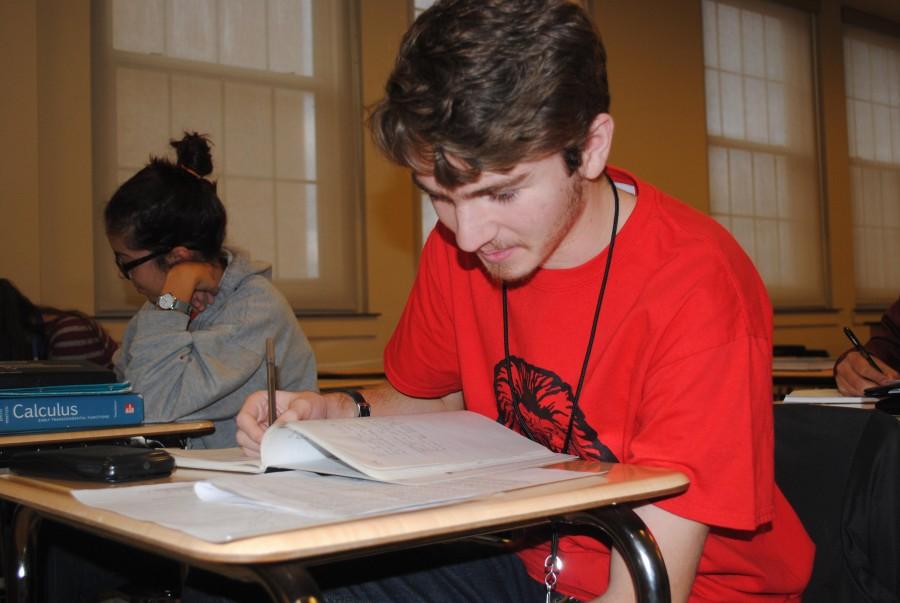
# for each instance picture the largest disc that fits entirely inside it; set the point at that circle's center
(204, 368)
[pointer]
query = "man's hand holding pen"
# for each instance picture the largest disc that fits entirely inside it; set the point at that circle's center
(253, 418)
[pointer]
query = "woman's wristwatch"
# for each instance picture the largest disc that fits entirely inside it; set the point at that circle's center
(167, 301)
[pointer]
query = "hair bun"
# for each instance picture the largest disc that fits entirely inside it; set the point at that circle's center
(193, 153)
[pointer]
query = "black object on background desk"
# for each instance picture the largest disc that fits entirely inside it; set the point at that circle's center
(40, 373)
(797, 350)
(94, 463)
(889, 405)
(889, 397)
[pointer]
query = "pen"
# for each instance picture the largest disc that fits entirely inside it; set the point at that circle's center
(270, 378)
(861, 349)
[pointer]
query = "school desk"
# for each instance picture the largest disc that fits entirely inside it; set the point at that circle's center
(279, 561)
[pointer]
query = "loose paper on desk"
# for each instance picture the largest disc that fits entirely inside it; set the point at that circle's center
(238, 506)
(824, 396)
(418, 448)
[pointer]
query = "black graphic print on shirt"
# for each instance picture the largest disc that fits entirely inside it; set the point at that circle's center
(545, 402)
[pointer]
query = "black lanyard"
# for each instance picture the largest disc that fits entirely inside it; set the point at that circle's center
(587, 355)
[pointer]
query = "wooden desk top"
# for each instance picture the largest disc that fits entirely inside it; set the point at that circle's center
(352, 372)
(804, 373)
(622, 483)
(189, 428)
(329, 384)
(802, 363)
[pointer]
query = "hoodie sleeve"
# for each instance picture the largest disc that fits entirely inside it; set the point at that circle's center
(206, 372)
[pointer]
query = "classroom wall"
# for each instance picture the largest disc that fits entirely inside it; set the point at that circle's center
(656, 77)
(19, 216)
(46, 246)
(658, 102)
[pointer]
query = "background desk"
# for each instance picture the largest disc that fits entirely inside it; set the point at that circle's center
(330, 380)
(278, 561)
(784, 381)
(330, 384)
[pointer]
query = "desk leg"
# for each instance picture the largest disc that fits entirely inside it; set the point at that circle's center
(20, 553)
(632, 539)
(283, 580)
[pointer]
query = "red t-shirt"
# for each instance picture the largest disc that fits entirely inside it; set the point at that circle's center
(679, 377)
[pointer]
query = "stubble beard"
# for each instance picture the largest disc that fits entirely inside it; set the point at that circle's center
(503, 273)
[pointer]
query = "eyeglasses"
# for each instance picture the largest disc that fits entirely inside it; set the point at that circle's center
(125, 268)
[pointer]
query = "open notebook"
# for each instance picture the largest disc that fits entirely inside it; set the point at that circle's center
(418, 448)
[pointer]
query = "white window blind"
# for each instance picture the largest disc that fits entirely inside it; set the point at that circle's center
(272, 83)
(872, 71)
(763, 160)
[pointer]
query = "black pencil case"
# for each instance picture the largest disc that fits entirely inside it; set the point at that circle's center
(94, 463)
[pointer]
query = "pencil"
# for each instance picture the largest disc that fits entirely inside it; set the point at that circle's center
(859, 348)
(271, 378)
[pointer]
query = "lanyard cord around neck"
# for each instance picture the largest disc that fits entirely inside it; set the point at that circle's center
(587, 355)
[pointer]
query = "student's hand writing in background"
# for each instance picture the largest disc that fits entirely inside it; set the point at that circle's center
(854, 374)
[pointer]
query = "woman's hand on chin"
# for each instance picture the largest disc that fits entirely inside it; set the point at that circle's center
(201, 300)
(197, 281)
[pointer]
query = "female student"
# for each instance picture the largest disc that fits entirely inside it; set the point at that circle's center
(197, 348)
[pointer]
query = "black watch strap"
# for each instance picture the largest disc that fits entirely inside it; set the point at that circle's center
(363, 409)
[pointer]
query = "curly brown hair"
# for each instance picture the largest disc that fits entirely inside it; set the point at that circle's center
(489, 84)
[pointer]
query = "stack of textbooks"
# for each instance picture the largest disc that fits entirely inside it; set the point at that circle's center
(64, 407)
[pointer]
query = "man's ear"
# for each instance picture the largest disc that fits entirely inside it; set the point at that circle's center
(178, 255)
(597, 145)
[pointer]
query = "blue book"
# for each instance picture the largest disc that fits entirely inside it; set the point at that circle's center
(59, 413)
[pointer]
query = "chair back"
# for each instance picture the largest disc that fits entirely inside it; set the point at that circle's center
(840, 470)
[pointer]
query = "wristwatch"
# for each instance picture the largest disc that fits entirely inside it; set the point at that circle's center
(167, 301)
(363, 408)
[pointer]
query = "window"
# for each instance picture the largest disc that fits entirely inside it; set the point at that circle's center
(872, 71)
(272, 83)
(763, 158)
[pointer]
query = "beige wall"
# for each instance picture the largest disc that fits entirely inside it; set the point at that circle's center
(655, 59)
(656, 76)
(20, 247)
(47, 236)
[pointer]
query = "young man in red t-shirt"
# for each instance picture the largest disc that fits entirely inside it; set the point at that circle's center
(576, 304)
